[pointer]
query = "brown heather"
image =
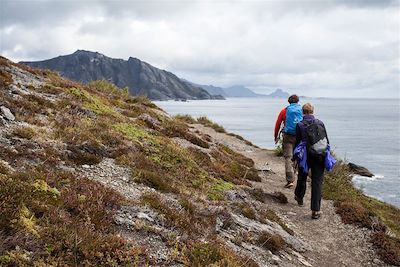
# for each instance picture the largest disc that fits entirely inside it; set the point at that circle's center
(62, 218)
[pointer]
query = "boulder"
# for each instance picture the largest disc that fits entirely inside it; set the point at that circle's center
(360, 170)
(7, 113)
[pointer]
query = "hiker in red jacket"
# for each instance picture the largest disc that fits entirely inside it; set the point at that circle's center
(289, 116)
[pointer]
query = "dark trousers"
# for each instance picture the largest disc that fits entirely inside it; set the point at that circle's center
(317, 167)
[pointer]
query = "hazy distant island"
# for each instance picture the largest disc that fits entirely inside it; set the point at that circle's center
(241, 91)
(140, 77)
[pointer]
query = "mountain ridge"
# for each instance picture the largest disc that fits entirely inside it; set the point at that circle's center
(140, 77)
(239, 91)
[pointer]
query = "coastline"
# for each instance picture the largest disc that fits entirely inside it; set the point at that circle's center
(254, 119)
(113, 178)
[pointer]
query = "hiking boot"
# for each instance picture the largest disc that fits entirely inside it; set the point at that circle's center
(289, 185)
(316, 215)
(299, 201)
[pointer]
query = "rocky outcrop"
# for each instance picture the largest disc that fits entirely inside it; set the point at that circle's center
(360, 170)
(140, 77)
(6, 113)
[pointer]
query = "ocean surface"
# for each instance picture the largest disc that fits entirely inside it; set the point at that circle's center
(362, 131)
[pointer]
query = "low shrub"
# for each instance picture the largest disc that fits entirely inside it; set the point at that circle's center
(24, 132)
(216, 254)
(158, 181)
(185, 118)
(206, 122)
(177, 128)
(388, 247)
(272, 242)
(354, 213)
(247, 211)
(279, 197)
(55, 217)
(356, 208)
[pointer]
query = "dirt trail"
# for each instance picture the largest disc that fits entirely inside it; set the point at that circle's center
(333, 243)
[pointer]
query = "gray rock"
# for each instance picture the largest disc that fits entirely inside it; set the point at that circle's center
(377, 261)
(150, 121)
(272, 227)
(142, 215)
(66, 168)
(7, 113)
(360, 170)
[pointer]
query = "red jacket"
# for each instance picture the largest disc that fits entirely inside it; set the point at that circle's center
(281, 119)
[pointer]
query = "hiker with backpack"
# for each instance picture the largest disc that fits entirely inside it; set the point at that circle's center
(289, 116)
(312, 152)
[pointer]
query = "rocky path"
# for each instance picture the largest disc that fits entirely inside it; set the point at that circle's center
(332, 242)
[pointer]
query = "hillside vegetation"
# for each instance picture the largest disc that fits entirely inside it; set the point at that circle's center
(93, 176)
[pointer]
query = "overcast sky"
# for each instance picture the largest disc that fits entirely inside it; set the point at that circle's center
(338, 48)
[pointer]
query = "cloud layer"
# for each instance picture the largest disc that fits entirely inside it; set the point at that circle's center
(316, 48)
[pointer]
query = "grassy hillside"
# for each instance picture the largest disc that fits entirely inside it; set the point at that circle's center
(52, 214)
(92, 176)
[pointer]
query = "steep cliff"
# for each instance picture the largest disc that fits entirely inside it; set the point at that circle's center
(140, 77)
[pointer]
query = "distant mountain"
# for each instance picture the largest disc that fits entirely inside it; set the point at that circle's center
(241, 91)
(213, 90)
(279, 93)
(140, 77)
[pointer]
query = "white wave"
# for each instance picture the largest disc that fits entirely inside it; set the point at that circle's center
(359, 178)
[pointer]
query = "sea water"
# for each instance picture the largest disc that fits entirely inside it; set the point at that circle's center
(362, 131)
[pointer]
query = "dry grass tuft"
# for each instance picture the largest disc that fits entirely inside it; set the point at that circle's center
(24, 132)
(216, 254)
(356, 208)
(247, 211)
(354, 213)
(176, 128)
(279, 197)
(207, 122)
(61, 218)
(388, 248)
(272, 242)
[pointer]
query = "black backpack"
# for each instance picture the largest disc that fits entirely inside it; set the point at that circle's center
(317, 140)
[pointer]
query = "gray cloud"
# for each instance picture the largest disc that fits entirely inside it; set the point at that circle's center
(323, 48)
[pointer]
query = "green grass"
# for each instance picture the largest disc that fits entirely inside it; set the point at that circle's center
(217, 190)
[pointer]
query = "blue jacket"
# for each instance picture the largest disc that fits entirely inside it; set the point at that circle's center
(300, 154)
(329, 160)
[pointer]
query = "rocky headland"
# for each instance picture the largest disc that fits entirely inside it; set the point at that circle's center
(139, 77)
(92, 176)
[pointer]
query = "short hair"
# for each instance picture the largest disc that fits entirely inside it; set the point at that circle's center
(293, 99)
(308, 108)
